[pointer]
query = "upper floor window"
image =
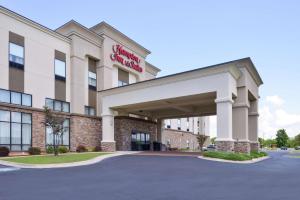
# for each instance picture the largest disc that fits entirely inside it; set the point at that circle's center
(60, 69)
(92, 80)
(168, 123)
(123, 78)
(17, 98)
(16, 50)
(178, 124)
(88, 110)
(188, 124)
(57, 105)
(16, 56)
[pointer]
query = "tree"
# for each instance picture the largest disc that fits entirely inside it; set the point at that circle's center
(201, 140)
(55, 123)
(282, 138)
(291, 143)
(213, 140)
(269, 142)
(297, 140)
(261, 142)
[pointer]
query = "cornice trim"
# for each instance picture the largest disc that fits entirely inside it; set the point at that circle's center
(33, 24)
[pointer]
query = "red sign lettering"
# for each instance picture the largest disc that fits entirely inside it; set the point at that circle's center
(118, 55)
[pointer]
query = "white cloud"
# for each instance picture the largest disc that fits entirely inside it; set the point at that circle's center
(275, 100)
(273, 116)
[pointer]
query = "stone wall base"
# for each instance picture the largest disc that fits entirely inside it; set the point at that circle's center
(108, 146)
(254, 146)
(124, 126)
(241, 147)
(225, 146)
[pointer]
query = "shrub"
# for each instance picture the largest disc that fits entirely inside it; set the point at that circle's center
(227, 155)
(50, 149)
(97, 148)
(4, 151)
(63, 149)
(81, 148)
(257, 154)
(34, 151)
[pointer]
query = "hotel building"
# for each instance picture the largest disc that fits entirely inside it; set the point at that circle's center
(98, 79)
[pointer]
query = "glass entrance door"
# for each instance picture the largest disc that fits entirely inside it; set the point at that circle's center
(140, 141)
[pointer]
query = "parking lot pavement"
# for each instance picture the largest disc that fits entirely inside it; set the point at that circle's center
(4, 168)
(158, 178)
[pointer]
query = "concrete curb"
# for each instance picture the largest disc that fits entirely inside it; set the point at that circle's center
(64, 165)
(236, 162)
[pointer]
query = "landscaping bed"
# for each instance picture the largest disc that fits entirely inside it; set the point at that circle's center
(234, 156)
(51, 159)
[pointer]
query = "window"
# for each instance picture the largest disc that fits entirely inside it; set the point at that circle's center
(121, 83)
(178, 124)
(15, 130)
(92, 80)
(57, 105)
(60, 70)
(64, 137)
(168, 123)
(17, 98)
(89, 110)
(140, 141)
(16, 56)
(123, 78)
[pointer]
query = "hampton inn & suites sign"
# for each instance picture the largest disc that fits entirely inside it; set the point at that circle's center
(126, 58)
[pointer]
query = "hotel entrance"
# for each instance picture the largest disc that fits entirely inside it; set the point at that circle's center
(140, 141)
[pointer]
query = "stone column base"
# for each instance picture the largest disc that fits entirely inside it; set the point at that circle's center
(242, 147)
(254, 146)
(108, 146)
(225, 145)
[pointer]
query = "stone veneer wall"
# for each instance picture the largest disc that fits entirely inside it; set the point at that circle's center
(241, 147)
(178, 139)
(125, 125)
(254, 146)
(225, 146)
(84, 130)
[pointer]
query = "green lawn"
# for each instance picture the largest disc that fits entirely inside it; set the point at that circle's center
(51, 159)
(234, 156)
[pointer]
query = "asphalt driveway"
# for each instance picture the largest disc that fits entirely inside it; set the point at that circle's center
(145, 177)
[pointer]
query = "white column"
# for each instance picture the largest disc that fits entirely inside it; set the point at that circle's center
(224, 141)
(240, 115)
(108, 126)
(224, 119)
(253, 125)
(108, 135)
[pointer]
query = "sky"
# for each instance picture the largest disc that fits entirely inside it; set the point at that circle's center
(184, 35)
